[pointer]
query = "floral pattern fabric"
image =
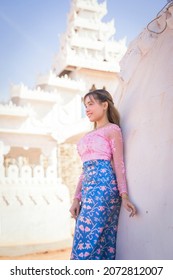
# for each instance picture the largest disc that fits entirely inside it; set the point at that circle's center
(96, 226)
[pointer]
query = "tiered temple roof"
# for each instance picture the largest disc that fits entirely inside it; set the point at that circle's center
(88, 42)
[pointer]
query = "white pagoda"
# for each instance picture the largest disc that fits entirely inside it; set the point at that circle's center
(34, 202)
(88, 50)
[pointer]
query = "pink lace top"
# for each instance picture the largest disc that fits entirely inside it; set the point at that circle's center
(104, 143)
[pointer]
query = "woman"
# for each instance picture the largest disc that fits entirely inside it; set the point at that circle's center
(102, 185)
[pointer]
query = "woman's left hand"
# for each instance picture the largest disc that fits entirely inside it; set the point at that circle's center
(129, 206)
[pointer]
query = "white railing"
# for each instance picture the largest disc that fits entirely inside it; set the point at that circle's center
(12, 109)
(23, 91)
(26, 174)
(63, 82)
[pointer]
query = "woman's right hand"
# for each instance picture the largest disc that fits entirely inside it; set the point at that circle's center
(75, 208)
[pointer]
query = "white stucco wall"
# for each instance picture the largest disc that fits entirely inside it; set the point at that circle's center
(34, 217)
(145, 102)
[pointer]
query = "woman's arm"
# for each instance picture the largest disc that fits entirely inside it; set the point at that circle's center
(75, 207)
(77, 193)
(116, 143)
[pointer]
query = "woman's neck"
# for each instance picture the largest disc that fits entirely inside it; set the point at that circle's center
(101, 123)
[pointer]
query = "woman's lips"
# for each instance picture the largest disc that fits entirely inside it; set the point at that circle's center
(89, 115)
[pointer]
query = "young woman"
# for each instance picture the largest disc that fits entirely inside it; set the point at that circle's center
(102, 185)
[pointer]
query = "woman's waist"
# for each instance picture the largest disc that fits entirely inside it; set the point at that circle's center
(98, 168)
(97, 162)
(95, 156)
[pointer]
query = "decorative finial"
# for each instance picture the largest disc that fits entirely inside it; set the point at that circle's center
(93, 88)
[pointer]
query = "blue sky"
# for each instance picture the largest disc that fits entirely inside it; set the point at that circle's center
(30, 31)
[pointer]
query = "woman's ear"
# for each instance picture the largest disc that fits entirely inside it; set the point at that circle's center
(105, 105)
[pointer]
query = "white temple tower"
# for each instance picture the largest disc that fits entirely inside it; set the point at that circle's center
(88, 50)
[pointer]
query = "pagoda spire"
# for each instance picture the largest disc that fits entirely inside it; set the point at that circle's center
(88, 42)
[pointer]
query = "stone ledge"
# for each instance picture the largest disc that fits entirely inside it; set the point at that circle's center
(21, 250)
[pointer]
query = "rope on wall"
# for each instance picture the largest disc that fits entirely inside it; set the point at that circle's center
(164, 9)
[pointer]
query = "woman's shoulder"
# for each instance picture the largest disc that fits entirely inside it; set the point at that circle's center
(113, 127)
(111, 130)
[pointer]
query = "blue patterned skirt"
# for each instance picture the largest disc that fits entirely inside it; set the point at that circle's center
(96, 226)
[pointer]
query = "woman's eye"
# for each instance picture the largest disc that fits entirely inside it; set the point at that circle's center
(87, 105)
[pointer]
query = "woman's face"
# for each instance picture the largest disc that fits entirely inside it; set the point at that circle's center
(95, 110)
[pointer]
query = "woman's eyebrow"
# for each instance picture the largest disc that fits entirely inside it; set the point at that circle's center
(89, 101)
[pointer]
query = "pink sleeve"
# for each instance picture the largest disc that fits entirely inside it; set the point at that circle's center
(79, 188)
(116, 143)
